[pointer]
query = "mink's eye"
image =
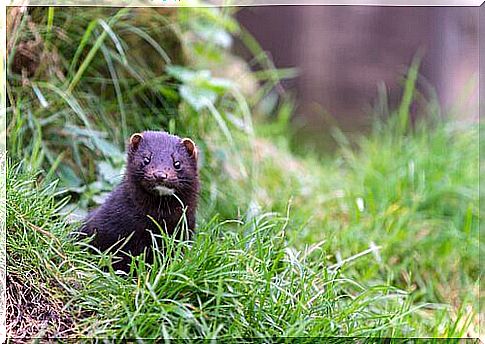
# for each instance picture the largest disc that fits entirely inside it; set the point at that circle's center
(177, 165)
(146, 160)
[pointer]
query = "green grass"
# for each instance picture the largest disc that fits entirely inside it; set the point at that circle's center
(268, 274)
(378, 239)
(236, 279)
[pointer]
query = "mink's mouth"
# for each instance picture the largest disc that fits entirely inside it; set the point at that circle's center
(163, 190)
(159, 188)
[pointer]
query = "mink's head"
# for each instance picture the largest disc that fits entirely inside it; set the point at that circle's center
(162, 164)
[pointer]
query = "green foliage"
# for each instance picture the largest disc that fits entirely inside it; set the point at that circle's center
(199, 89)
(236, 279)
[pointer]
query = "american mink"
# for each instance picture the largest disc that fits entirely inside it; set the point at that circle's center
(161, 173)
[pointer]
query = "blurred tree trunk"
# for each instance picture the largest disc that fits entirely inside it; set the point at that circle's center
(343, 52)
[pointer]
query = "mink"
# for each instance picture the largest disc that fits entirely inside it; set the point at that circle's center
(160, 181)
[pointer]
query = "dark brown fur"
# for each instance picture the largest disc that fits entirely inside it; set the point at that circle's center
(150, 164)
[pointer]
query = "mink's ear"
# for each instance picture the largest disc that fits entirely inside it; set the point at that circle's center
(191, 147)
(135, 140)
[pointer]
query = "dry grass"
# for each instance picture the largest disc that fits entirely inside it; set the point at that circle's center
(32, 313)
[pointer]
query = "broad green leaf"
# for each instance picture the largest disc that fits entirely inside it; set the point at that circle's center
(198, 98)
(108, 149)
(108, 173)
(68, 176)
(212, 34)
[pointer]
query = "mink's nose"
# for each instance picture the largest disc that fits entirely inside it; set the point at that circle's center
(160, 175)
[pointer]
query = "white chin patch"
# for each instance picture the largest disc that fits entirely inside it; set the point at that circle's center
(163, 191)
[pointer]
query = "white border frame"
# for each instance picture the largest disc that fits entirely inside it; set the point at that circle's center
(177, 3)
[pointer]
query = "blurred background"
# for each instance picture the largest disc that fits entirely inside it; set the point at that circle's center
(345, 54)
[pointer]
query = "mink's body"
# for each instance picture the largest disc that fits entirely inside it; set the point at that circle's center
(161, 175)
